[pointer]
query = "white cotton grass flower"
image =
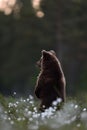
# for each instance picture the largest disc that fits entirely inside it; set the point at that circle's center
(17, 110)
(28, 99)
(12, 122)
(35, 109)
(57, 101)
(78, 125)
(35, 116)
(19, 119)
(15, 105)
(32, 102)
(76, 106)
(24, 100)
(17, 102)
(84, 109)
(29, 113)
(26, 110)
(9, 118)
(10, 105)
(14, 93)
(30, 119)
(31, 97)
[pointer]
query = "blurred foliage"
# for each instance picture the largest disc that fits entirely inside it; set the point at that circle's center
(23, 35)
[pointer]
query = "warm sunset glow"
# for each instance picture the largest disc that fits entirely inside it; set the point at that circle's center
(40, 14)
(7, 6)
(36, 6)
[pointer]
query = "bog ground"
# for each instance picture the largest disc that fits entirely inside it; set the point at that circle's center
(22, 114)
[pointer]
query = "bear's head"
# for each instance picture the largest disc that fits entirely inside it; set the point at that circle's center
(46, 55)
(48, 61)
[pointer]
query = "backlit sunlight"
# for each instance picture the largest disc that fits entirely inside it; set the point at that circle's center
(36, 4)
(7, 6)
(37, 8)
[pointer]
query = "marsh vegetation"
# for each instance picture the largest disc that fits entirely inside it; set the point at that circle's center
(23, 114)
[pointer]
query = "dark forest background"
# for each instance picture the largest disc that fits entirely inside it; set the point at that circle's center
(26, 28)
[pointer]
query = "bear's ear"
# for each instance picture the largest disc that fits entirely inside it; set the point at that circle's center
(43, 51)
(46, 54)
(53, 52)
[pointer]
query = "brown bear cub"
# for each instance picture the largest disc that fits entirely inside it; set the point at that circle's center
(51, 82)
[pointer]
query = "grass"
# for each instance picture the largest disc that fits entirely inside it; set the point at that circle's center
(22, 114)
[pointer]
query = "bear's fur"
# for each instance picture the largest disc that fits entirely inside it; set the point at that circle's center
(50, 83)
